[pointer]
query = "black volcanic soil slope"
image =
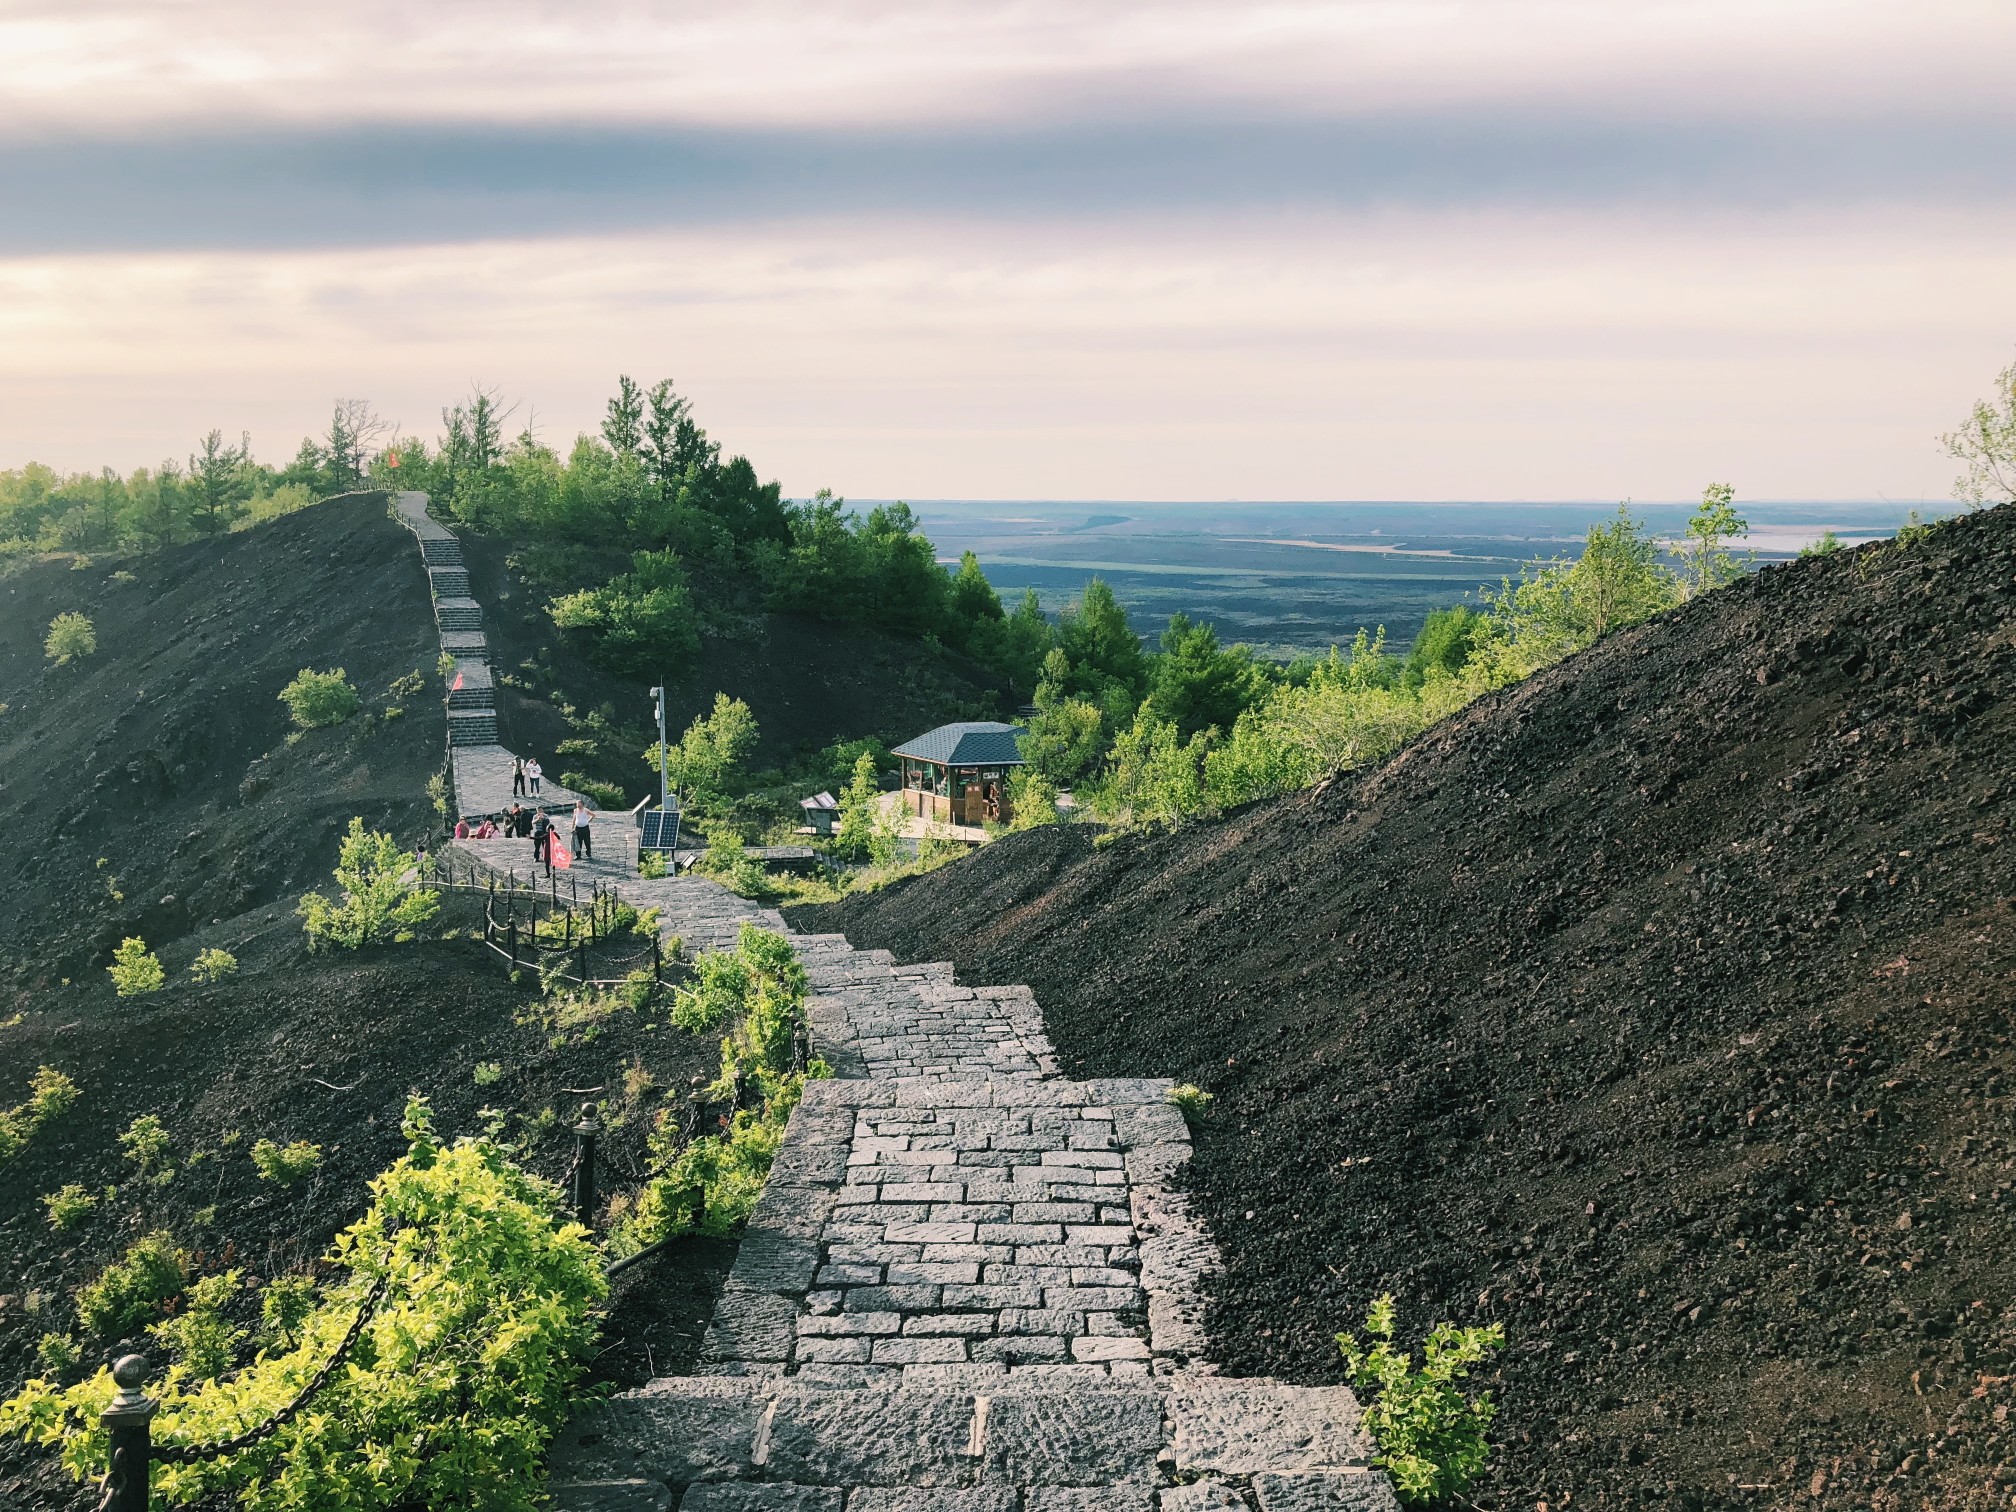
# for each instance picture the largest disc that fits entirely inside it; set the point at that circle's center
(1659, 1009)
(152, 788)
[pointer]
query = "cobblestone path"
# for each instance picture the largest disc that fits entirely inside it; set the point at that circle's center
(970, 1284)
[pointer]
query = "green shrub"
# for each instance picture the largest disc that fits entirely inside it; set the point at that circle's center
(204, 1342)
(285, 1164)
(67, 1207)
(651, 865)
(488, 1073)
(284, 1306)
(711, 1184)
(145, 1143)
(71, 636)
(382, 896)
(606, 795)
(135, 969)
(319, 699)
(409, 685)
(639, 624)
(1430, 1436)
(213, 966)
(50, 1095)
(57, 1354)
(457, 1381)
(437, 793)
(1191, 1101)
(133, 1289)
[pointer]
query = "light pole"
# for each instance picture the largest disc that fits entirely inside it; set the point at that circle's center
(664, 779)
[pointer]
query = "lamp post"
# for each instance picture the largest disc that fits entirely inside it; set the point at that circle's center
(664, 779)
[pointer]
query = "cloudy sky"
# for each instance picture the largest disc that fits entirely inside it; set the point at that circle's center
(1388, 249)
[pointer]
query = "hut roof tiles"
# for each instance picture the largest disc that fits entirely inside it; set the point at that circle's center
(982, 742)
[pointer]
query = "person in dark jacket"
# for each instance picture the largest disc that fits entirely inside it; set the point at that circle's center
(542, 831)
(517, 776)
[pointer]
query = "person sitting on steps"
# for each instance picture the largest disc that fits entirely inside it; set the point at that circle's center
(582, 815)
(461, 829)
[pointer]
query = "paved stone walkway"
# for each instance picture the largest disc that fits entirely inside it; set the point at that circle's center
(970, 1285)
(479, 767)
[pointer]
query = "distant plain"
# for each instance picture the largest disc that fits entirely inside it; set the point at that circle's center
(1289, 578)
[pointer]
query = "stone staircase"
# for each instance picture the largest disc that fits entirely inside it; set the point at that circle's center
(971, 1284)
(480, 766)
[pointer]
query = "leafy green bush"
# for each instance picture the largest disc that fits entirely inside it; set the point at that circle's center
(57, 1354)
(488, 1073)
(135, 969)
(711, 1184)
(318, 699)
(50, 1095)
(651, 865)
(606, 795)
(67, 1206)
(456, 1383)
(213, 966)
(1429, 1434)
(146, 1143)
(285, 1164)
(1191, 1101)
(639, 624)
(134, 1288)
(382, 896)
(203, 1340)
(71, 636)
(409, 685)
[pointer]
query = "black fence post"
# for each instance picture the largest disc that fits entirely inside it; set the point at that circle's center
(511, 942)
(584, 961)
(129, 1422)
(657, 965)
(584, 1165)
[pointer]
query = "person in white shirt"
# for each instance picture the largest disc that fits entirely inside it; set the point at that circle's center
(533, 772)
(582, 815)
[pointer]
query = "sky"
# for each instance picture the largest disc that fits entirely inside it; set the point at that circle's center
(1084, 249)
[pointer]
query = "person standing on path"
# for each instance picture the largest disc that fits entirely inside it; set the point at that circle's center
(533, 772)
(582, 816)
(517, 776)
(542, 831)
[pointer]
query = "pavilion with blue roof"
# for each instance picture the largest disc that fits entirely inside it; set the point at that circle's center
(958, 773)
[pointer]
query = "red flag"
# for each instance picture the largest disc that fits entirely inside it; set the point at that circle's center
(456, 686)
(558, 852)
(391, 459)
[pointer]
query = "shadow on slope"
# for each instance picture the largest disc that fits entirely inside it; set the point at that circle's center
(1659, 1008)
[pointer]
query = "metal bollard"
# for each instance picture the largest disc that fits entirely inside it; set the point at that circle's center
(129, 1422)
(584, 1165)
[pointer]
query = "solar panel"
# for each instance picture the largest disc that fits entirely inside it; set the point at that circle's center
(660, 829)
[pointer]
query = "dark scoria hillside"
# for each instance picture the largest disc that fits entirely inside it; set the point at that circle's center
(167, 755)
(1659, 1008)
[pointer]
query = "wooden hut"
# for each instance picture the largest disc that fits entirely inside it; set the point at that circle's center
(958, 773)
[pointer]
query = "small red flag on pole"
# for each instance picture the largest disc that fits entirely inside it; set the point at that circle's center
(456, 686)
(561, 859)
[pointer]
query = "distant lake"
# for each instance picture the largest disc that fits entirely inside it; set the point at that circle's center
(1294, 577)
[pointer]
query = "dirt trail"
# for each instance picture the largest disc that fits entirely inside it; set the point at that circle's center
(1659, 1008)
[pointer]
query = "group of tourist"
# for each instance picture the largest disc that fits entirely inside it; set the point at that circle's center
(548, 850)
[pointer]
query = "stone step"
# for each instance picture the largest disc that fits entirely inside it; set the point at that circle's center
(483, 697)
(441, 551)
(449, 582)
(472, 729)
(458, 614)
(758, 1442)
